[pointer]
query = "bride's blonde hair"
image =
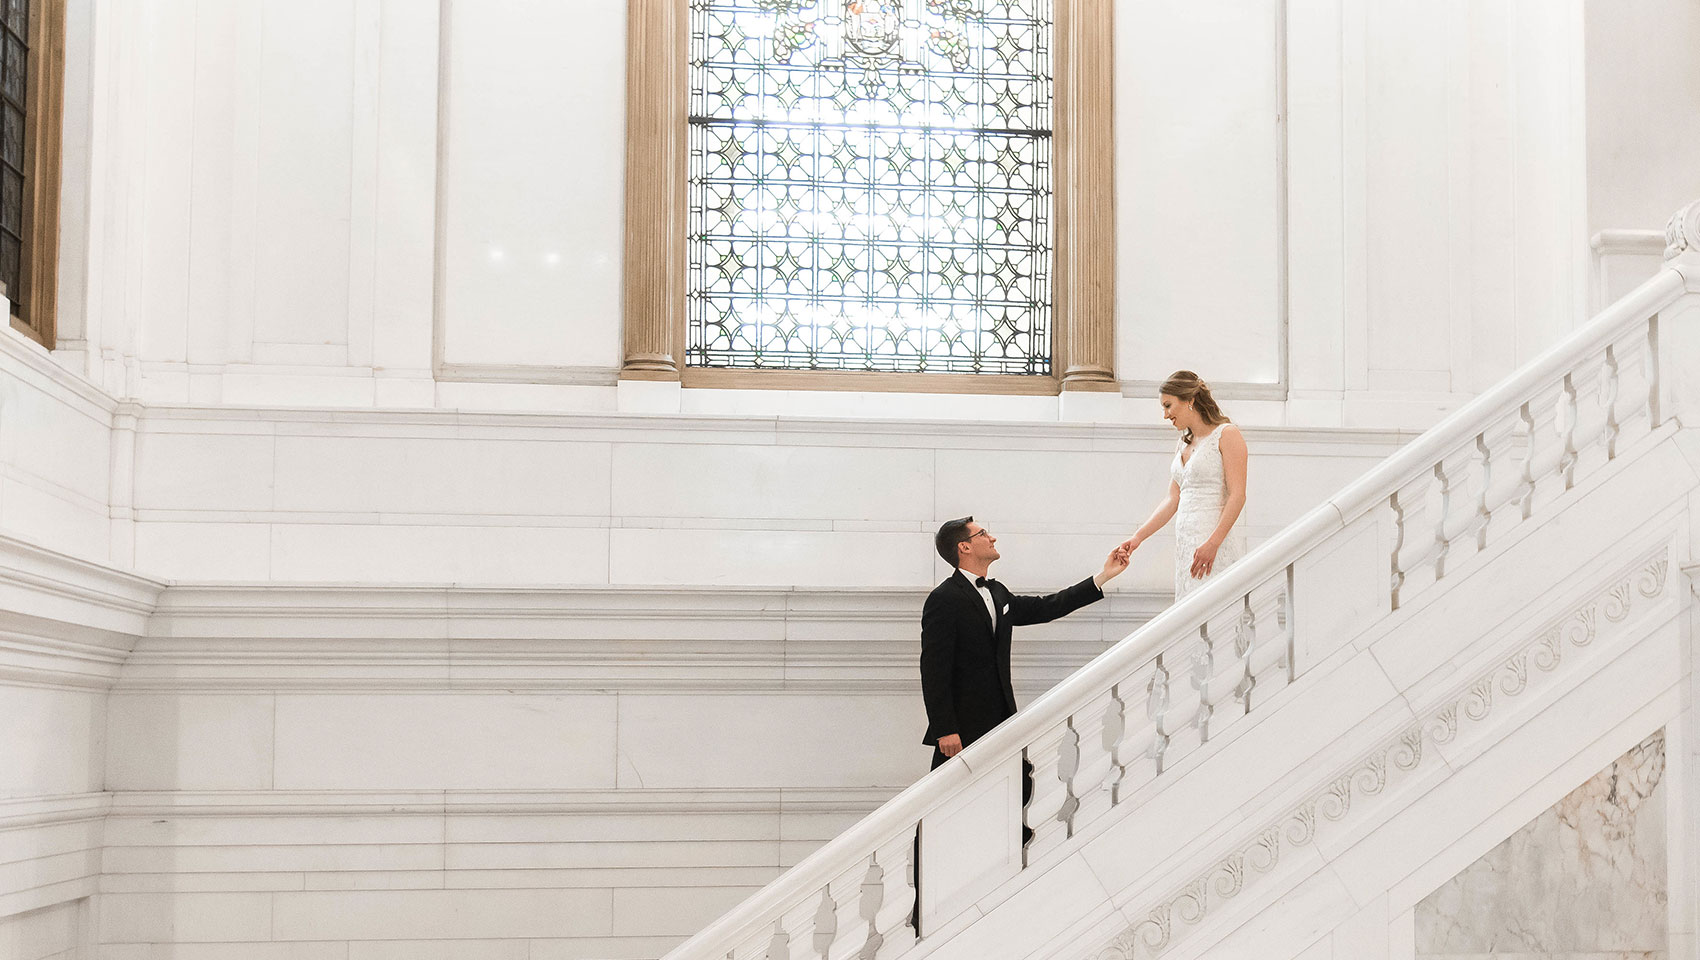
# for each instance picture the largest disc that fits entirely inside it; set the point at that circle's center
(1189, 386)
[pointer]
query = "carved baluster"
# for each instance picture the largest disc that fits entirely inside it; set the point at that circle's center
(1484, 513)
(1413, 536)
(1115, 741)
(1526, 494)
(888, 900)
(1567, 415)
(1138, 743)
(1547, 451)
(1202, 667)
(1157, 709)
(1185, 718)
(1245, 647)
(792, 936)
(1219, 671)
(1442, 543)
(1045, 809)
(1649, 343)
(1396, 573)
(1500, 481)
(1458, 530)
(1091, 784)
(1270, 655)
(1609, 393)
(1635, 400)
(1593, 382)
(848, 932)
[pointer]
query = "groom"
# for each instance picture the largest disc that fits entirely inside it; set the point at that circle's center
(965, 635)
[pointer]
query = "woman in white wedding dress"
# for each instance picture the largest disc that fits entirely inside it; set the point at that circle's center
(1206, 484)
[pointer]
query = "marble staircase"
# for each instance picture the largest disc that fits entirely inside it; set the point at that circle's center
(1289, 760)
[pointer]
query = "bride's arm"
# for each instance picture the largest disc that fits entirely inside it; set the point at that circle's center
(1163, 514)
(1232, 445)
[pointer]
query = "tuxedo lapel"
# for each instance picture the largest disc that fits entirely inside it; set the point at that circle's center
(1002, 639)
(972, 597)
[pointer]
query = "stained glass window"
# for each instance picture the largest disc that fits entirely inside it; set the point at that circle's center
(14, 79)
(870, 185)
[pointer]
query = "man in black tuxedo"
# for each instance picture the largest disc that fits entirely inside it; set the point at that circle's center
(965, 636)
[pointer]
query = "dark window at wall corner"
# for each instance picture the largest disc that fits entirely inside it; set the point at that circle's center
(32, 57)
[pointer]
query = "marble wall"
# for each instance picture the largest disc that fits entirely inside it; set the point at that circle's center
(1586, 880)
(1281, 190)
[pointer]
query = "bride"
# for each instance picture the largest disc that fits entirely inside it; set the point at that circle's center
(1206, 484)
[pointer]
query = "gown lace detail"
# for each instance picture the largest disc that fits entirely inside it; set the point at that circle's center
(1204, 489)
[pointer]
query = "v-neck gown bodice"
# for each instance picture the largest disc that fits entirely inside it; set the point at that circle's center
(1204, 489)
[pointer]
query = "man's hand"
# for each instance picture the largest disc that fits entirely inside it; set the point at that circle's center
(950, 745)
(1114, 564)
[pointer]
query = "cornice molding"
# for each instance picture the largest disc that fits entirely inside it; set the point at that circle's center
(19, 349)
(49, 811)
(438, 803)
(586, 639)
(636, 427)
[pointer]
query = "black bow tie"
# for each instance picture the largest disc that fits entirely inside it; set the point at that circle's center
(983, 583)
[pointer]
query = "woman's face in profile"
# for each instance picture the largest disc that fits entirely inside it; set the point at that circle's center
(1176, 411)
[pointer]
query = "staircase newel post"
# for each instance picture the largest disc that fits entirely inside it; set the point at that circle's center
(1677, 338)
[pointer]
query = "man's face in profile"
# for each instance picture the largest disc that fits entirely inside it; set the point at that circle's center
(982, 547)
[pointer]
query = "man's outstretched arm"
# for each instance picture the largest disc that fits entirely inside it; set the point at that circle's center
(1026, 610)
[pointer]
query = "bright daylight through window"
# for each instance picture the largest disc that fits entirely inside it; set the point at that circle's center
(870, 185)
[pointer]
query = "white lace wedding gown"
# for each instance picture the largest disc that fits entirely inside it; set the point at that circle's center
(1204, 488)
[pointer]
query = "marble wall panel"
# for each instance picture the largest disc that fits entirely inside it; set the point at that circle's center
(71, 720)
(374, 474)
(202, 550)
(446, 741)
(530, 199)
(304, 156)
(1587, 878)
(169, 742)
(772, 482)
(189, 471)
(813, 558)
(169, 918)
(50, 933)
(432, 914)
(771, 740)
(527, 554)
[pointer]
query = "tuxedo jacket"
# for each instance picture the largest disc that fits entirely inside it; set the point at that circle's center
(965, 662)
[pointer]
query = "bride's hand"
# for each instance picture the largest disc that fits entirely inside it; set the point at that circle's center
(1128, 546)
(1203, 559)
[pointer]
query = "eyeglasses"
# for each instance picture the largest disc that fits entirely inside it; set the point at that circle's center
(983, 533)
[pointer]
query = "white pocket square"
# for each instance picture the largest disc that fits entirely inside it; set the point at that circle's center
(1006, 608)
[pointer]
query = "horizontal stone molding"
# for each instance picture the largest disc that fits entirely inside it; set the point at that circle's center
(25, 812)
(709, 428)
(852, 640)
(51, 575)
(66, 622)
(452, 803)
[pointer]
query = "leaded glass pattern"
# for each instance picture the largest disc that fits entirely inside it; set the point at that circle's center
(870, 185)
(14, 64)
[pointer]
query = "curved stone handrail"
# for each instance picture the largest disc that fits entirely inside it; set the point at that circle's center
(1578, 400)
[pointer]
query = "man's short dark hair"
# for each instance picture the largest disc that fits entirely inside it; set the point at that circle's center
(951, 533)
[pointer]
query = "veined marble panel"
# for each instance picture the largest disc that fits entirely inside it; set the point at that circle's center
(1586, 878)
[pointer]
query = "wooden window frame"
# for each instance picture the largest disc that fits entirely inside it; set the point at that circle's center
(44, 121)
(1083, 174)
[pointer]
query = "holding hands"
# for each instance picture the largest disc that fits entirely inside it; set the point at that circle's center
(1114, 564)
(1203, 559)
